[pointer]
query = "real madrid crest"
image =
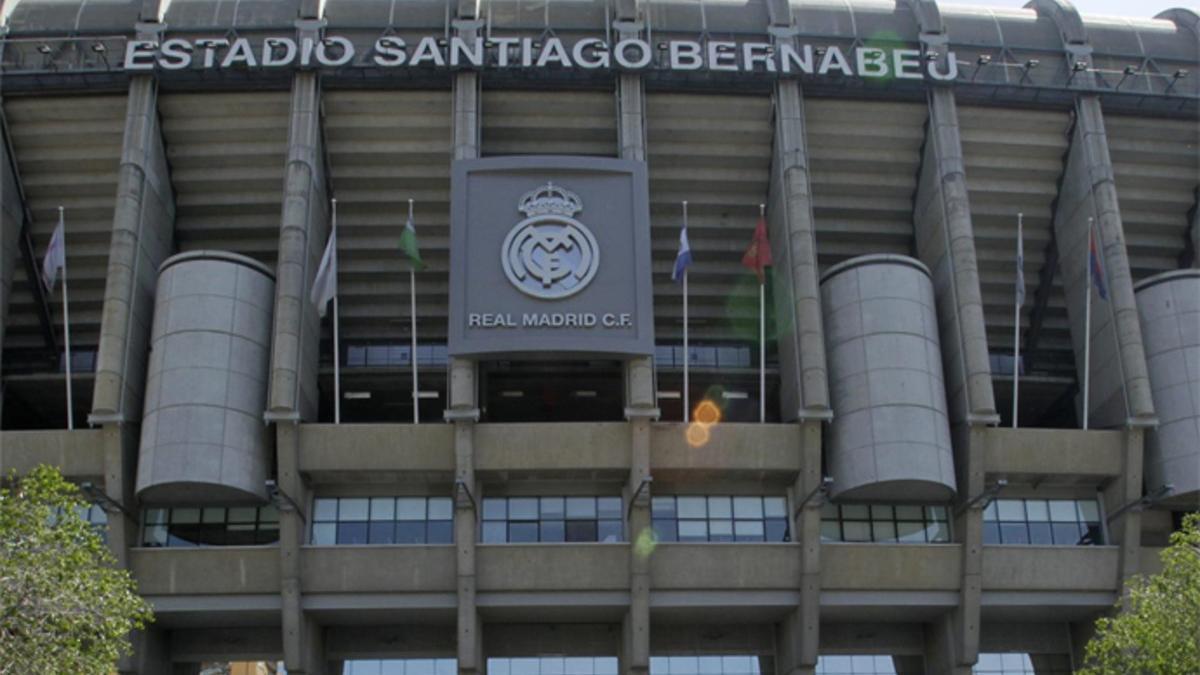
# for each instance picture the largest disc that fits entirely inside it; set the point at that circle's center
(550, 255)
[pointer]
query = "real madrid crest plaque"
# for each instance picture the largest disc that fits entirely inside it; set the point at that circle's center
(550, 255)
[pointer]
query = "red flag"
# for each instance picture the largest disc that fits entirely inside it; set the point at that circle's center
(758, 256)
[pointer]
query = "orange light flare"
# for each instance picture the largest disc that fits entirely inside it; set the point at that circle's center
(697, 434)
(707, 413)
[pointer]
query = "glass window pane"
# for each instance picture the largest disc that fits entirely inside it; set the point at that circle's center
(581, 530)
(552, 508)
(581, 507)
(383, 508)
(352, 509)
(693, 530)
(777, 529)
(522, 532)
(439, 532)
(608, 507)
(1067, 534)
(606, 665)
(748, 530)
(410, 532)
(324, 509)
(185, 516)
(1012, 509)
(418, 667)
(523, 508)
(738, 664)
(609, 531)
(410, 508)
(495, 532)
(856, 531)
(775, 507)
(720, 507)
(1039, 533)
(155, 535)
(910, 532)
(243, 514)
(909, 513)
(885, 531)
(1036, 510)
(1089, 511)
(881, 512)
(856, 512)
(687, 665)
(392, 667)
(664, 529)
(441, 508)
(710, 665)
(554, 665)
(989, 512)
(831, 530)
(268, 514)
(213, 515)
(381, 532)
(525, 666)
(747, 507)
(553, 531)
(495, 508)
(1014, 533)
(991, 533)
(351, 533)
(692, 507)
(829, 511)
(662, 507)
(155, 516)
(720, 530)
(324, 534)
(1062, 511)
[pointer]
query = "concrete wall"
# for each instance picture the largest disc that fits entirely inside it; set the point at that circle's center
(11, 216)
(79, 454)
(329, 448)
(1097, 455)
(377, 569)
(206, 571)
(898, 567)
(1050, 568)
(701, 567)
(553, 567)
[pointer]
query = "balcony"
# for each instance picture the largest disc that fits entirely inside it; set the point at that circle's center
(564, 449)
(751, 450)
(725, 567)
(1064, 456)
(552, 567)
(224, 570)
(79, 455)
(378, 569)
(330, 452)
(891, 567)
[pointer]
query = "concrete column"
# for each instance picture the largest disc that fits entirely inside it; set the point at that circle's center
(1120, 387)
(143, 235)
(1191, 257)
(304, 228)
(1125, 530)
(946, 244)
(151, 654)
(804, 391)
(799, 633)
(12, 214)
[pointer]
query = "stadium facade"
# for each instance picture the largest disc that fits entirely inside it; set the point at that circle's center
(849, 494)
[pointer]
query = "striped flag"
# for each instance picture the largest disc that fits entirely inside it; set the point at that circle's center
(758, 256)
(684, 258)
(1097, 269)
(408, 244)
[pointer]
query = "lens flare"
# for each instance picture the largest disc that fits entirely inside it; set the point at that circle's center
(707, 413)
(697, 434)
(645, 543)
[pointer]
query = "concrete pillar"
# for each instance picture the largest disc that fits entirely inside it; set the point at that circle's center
(641, 402)
(463, 409)
(1193, 240)
(12, 214)
(799, 633)
(946, 244)
(1125, 531)
(151, 654)
(1120, 387)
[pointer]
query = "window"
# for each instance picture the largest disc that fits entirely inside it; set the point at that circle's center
(210, 526)
(553, 665)
(738, 664)
(909, 524)
(400, 667)
(706, 356)
(516, 520)
(1060, 522)
(867, 664)
(382, 520)
(719, 518)
(1022, 664)
(393, 355)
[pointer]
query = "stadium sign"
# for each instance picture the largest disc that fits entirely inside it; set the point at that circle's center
(550, 254)
(589, 54)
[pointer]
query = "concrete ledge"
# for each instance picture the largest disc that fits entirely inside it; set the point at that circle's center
(389, 569)
(225, 570)
(552, 567)
(342, 448)
(721, 566)
(890, 567)
(79, 454)
(730, 447)
(1025, 454)
(1050, 568)
(554, 448)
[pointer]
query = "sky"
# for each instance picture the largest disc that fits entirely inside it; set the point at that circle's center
(1144, 9)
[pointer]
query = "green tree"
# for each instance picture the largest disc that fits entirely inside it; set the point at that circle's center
(1158, 630)
(64, 605)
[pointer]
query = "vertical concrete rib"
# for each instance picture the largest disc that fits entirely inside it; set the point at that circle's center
(463, 409)
(12, 214)
(640, 391)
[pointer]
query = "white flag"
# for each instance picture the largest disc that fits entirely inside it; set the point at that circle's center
(1020, 266)
(56, 257)
(325, 285)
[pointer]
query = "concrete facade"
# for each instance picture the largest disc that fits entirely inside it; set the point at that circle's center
(835, 155)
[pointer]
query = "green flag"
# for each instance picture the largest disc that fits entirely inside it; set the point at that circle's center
(408, 244)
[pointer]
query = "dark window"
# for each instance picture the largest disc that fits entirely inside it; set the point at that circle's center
(695, 518)
(902, 523)
(551, 519)
(1058, 522)
(382, 520)
(210, 526)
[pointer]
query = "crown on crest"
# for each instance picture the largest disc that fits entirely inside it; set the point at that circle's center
(550, 199)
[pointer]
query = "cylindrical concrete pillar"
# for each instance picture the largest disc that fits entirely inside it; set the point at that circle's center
(890, 436)
(1169, 309)
(203, 437)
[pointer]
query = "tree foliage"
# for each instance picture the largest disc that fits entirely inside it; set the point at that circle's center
(64, 605)
(1158, 630)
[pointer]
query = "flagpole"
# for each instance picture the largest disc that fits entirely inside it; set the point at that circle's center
(1087, 324)
(762, 339)
(337, 345)
(412, 308)
(1017, 320)
(66, 322)
(687, 355)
